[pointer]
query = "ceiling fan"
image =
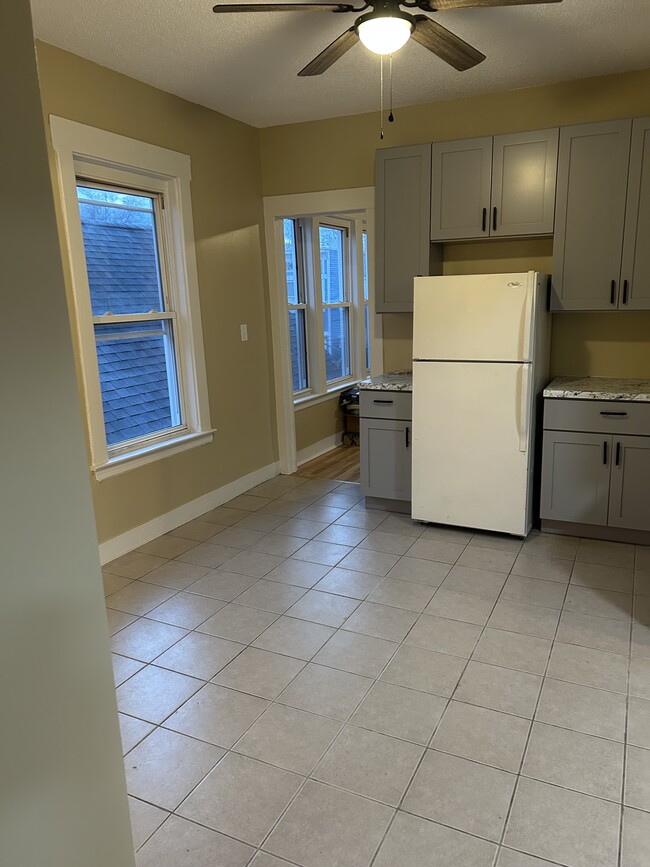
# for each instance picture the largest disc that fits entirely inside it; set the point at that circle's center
(387, 28)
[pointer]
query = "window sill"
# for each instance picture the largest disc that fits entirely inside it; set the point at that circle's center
(314, 399)
(149, 454)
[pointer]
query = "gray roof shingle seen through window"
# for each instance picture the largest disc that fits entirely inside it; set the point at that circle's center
(123, 278)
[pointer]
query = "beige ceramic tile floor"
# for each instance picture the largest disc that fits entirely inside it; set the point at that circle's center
(301, 681)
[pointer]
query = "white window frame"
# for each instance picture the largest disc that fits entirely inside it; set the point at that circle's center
(355, 204)
(109, 158)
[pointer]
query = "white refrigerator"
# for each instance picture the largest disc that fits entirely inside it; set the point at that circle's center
(480, 362)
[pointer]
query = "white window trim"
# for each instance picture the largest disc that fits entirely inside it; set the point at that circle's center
(169, 172)
(359, 202)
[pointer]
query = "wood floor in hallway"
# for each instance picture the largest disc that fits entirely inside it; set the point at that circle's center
(342, 464)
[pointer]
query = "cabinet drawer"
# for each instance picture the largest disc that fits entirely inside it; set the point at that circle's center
(597, 416)
(385, 404)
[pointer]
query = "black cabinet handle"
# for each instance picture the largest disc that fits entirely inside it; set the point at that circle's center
(382, 401)
(612, 292)
(625, 288)
(484, 222)
(605, 452)
(407, 437)
(618, 454)
(494, 218)
(616, 414)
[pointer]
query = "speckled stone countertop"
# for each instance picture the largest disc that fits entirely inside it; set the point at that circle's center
(599, 388)
(397, 380)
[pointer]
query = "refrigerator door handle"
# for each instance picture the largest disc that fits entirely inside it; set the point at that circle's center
(524, 400)
(527, 325)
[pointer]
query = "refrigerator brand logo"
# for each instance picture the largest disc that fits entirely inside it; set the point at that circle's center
(514, 283)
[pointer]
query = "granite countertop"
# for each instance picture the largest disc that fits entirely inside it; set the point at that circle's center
(397, 380)
(599, 388)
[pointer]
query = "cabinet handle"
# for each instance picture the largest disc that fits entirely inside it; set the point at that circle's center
(605, 453)
(618, 454)
(494, 218)
(408, 440)
(484, 222)
(612, 292)
(617, 414)
(625, 287)
(382, 401)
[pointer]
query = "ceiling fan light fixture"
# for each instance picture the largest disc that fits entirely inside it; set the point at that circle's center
(384, 34)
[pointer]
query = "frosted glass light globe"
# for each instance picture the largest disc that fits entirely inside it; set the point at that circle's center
(385, 35)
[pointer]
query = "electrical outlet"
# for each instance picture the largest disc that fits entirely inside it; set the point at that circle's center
(244, 332)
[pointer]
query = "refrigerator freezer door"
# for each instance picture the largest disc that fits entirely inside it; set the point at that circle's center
(472, 465)
(486, 317)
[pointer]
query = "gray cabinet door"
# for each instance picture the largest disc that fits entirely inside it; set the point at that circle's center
(629, 501)
(460, 189)
(635, 272)
(524, 166)
(590, 213)
(575, 477)
(402, 194)
(386, 458)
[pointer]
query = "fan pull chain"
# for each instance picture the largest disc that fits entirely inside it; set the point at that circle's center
(391, 116)
(381, 97)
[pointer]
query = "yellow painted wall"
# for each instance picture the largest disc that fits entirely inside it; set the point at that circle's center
(339, 153)
(315, 423)
(227, 210)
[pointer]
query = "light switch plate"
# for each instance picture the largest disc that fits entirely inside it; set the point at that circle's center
(244, 332)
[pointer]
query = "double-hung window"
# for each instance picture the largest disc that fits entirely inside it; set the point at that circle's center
(135, 294)
(326, 281)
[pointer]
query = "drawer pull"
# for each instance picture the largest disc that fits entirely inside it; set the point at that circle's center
(605, 453)
(382, 401)
(614, 414)
(618, 454)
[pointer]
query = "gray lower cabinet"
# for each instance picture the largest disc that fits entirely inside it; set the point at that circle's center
(402, 205)
(386, 458)
(599, 476)
(494, 187)
(385, 446)
(575, 483)
(629, 499)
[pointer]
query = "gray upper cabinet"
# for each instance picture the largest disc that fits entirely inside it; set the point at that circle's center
(403, 182)
(635, 272)
(590, 215)
(490, 187)
(461, 173)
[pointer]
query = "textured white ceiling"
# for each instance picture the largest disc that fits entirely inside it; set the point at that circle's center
(246, 65)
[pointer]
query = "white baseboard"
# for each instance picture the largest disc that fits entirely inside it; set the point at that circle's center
(315, 450)
(126, 542)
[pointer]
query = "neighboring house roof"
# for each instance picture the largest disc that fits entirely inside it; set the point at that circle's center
(122, 273)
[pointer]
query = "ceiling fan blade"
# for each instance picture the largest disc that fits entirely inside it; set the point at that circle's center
(466, 4)
(332, 53)
(282, 7)
(451, 48)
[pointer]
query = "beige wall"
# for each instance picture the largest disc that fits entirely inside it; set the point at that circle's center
(62, 791)
(226, 198)
(315, 423)
(339, 153)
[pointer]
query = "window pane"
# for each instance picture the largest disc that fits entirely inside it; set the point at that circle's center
(364, 247)
(291, 262)
(298, 343)
(367, 337)
(137, 374)
(119, 233)
(331, 264)
(337, 342)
